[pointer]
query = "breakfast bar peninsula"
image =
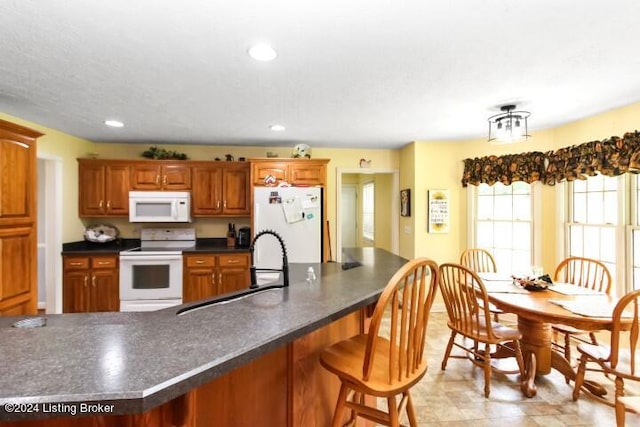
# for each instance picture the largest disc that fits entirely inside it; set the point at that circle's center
(252, 360)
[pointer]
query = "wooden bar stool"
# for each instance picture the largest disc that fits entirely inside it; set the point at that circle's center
(382, 364)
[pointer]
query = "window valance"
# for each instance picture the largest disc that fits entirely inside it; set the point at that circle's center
(613, 156)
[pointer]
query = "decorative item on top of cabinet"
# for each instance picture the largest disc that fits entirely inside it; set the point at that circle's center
(160, 175)
(298, 172)
(18, 256)
(220, 189)
(103, 188)
(90, 283)
(208, 275)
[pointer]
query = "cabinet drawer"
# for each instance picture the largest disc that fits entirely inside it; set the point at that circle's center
(235, 260)
(200, 261)
(76, 263)
(104, 262)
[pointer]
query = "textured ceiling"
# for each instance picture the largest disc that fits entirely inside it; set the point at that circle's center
(356, 73)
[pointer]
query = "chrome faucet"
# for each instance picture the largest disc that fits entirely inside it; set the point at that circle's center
(285, 262)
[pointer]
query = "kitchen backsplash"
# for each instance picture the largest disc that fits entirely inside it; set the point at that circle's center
(205, 227)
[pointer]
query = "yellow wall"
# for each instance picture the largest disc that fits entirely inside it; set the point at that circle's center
(66, 148)
(439, 165)
(423, 165)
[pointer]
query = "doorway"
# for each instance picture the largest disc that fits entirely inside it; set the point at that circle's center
(49, 201)
(349, 217)
(387, 207)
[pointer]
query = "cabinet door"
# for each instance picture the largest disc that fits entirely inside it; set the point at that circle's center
(199, 283)
(307, 174)
(91, 191)
(105, 295)
(17, 265)
(17, 176)
(262, 169)
(117, 190)
(146, 177)
(235, 188)
(233, 272)
(206, 196)
(176, 177)
(75, 291)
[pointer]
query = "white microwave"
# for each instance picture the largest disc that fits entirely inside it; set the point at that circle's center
(159, 206)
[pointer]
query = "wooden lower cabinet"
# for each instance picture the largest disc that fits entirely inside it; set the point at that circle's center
(285, 387)
(17, 270)
(208, 275)
(90, 284)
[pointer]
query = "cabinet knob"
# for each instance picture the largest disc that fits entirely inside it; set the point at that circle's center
(108, 204)
(75, 263)
(233, 261)
(93, 281)
(220, 278)
(218, 205)
(164, 180)
(199, 261)
(100, 204)
(86, 280)
(225, 204)
(213, 279)
(157, 179)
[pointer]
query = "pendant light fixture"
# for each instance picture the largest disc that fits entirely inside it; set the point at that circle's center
(508, 126)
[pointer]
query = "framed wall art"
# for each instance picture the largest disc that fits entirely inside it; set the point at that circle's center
(438, 211)
(405, 202)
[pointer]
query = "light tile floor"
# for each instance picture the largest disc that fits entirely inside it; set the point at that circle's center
(455, 397)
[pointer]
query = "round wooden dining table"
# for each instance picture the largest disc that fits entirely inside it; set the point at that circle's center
(536, 313)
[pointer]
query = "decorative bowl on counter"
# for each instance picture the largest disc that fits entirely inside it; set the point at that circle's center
(101, 233)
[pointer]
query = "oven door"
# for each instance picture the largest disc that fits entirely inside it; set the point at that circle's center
(150, 277)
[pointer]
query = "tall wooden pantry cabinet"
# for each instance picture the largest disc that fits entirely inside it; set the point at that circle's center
(18, 217)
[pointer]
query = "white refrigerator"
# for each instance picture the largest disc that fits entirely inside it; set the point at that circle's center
(295, 213)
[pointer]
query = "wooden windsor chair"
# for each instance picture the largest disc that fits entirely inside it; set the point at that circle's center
(386, 365)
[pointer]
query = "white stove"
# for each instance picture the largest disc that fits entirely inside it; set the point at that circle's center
(151, 275)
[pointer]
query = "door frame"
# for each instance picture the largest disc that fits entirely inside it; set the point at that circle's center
(395, 205)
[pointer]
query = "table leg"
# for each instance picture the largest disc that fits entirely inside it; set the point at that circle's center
(527, 385)
(536, 339)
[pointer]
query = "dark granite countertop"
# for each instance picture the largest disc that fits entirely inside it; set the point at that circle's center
(83, 247)
(137, 361)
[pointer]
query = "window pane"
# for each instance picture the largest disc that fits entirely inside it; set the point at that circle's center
(595, 211)
(522, 207)
(522, 236)
(503, 207)
(484, 234)
(595, 183)
(591, 237)
(580, 208)
(485, 207)
(607, 244)
(575, 240)
(610, 208)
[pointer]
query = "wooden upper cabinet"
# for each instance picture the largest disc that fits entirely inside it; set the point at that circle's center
(235, 190)
(220, 189)
(17, 173)
(301, 172)
(154, 176)
(206, 195)
(103, 188)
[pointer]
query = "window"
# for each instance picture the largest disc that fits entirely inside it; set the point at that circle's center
(592, 231)
(368, 203)
(503, 224)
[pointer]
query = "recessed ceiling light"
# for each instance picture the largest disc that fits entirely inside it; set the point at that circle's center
(114, 123)
(262, 52)
(277, 128)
